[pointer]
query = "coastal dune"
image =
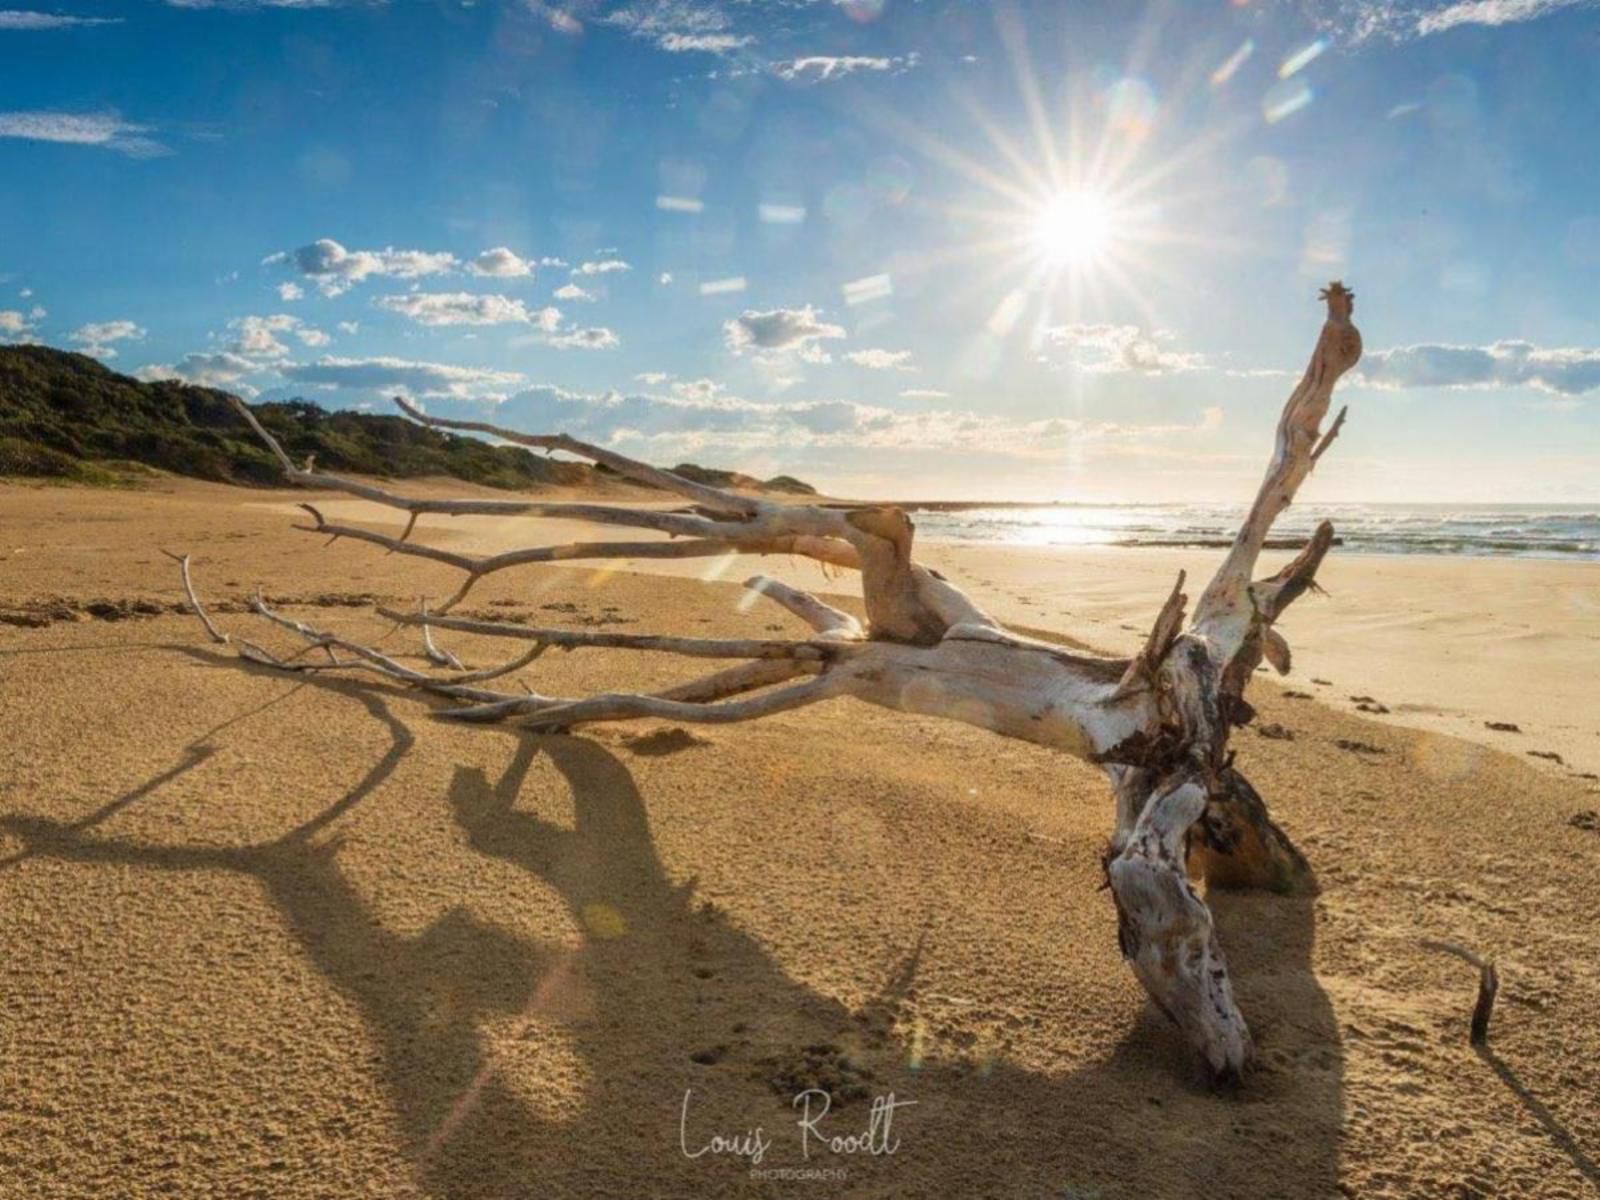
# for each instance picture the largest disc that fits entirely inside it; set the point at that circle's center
(294, 937)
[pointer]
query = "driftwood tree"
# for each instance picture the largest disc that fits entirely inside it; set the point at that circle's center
(1158, 724)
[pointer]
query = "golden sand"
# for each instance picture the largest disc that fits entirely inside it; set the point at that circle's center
(293, 937)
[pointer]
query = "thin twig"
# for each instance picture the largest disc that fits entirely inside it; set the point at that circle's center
(435, 655)
(194, 601)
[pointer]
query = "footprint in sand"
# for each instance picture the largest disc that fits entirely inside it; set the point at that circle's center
(1359, 747)
(1503, 726)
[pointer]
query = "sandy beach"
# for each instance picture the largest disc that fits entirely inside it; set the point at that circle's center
(293, 937)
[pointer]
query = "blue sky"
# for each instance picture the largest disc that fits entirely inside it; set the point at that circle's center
(1051, 250)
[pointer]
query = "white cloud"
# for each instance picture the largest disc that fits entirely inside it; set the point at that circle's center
(13, 19)
(421, 378)
(780, 330)
(18, 326)
(257, 337)
(349, 327)
(466, 308)
(290, 292)
(1489, 12)
(679, 26)
(219, 370)
(664, 279)
(820, 68)
(1106, 349)
(572, 291)
(1356, 21)
(96, 338)
(699, 415)
(105, 130)
(598, 338)
(605, 266)
(501, 263)
(1562, 371)
(652, 378)
(558, 19)
(882, 360)
(706, 43)
(336, 269)
(924, 394)
(697, 389)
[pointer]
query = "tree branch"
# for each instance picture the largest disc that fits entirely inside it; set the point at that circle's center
(824, 618)
(1224, 611)
(572, 639)
(182, 560)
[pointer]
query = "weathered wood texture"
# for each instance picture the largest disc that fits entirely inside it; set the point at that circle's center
(1158, 724)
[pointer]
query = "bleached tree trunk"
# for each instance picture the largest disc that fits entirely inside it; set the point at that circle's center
(1158, 723)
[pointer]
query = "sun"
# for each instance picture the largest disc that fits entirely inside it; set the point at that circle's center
(1072, 229)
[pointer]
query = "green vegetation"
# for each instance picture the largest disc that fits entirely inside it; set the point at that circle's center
(65, 416)
(733, 479)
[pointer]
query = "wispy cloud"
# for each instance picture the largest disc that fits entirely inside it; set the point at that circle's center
(1562, 371)
(15, 19)
(598, 338)
(604, 266)
(222, 369)
(1106, 349)
(1357, 21)
(571, 291)
(1490, 12)
(704, 43)
(820, 68)
(466, 308)
(105, 129)
(882, 360)
(679, 26)
(699, 415)
(97, 338)
(420, 378)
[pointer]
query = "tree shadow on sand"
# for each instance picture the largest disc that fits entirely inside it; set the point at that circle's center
(662, 995)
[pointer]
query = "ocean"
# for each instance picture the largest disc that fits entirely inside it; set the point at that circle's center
(1486, 530)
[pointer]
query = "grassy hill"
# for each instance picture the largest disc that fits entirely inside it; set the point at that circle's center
(66, 416)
